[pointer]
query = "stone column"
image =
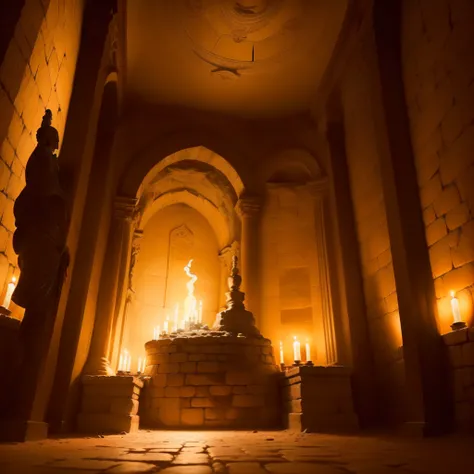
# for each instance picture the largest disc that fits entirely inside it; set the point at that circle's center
(248, 208)
(125, 299)
(225, 259)
(318, 192)
(111, 286)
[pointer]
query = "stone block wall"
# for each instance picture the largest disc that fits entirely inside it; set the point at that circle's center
(37, 73)
(214, 382)
(437, 45)
(109, 404)
(460, 346)
(371, 225)
(319, 399)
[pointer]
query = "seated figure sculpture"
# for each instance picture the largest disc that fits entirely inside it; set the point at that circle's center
(41, 225)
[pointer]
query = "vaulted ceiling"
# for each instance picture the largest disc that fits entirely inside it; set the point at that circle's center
(252, 58)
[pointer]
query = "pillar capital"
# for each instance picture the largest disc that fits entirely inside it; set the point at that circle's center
(248, 206)
(125, 207)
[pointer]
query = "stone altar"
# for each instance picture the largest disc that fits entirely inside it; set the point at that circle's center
(220, 378)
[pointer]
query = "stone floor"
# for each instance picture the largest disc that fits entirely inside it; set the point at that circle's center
(172, 452)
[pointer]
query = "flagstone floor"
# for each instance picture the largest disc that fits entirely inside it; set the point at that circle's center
(198, 452)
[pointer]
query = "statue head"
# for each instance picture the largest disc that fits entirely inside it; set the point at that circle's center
(47, 135)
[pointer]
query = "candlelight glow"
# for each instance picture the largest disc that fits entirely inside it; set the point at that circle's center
(282, 357)
(8, 295)
(308, 351)
(125, 361)
(455, 308)
(296, 349)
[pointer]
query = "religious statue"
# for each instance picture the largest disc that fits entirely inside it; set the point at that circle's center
(41, 225)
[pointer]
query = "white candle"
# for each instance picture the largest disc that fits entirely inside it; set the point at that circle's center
(166, 325)
(139, 370)
(155, 337)
(176, 314)
(200, 312)
(308, 351)
(296, 349)
(282, 357)
(8, 295)
(129, 362)
(455, 308)
(120, 366)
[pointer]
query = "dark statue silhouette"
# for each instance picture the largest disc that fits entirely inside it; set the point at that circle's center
(41, 225)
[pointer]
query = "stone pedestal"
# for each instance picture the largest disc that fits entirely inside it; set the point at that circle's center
(211, 379)
(460, 346)
(319, 399)
(109, 404)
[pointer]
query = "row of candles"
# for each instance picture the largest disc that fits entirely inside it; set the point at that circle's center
(296, 351)
(125, 363)
(195, 317)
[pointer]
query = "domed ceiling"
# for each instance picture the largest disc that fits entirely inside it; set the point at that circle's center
(243, 57)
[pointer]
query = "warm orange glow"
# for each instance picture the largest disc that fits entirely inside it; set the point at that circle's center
(8, 295)
(296, 349)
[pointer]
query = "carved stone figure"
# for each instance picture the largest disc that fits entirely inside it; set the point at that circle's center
(41, 224)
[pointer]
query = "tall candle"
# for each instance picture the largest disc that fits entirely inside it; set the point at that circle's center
(176, 314)
(282, 357)
(8, 295)
(129, 362)
(166, 325)
(455, 308)
(120, 366)
(139, 369)
(308, 351)
(155, 336)
(296, 349)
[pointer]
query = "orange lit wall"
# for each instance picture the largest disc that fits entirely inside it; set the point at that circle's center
(37, 73)
(170, 238)
(439, 86)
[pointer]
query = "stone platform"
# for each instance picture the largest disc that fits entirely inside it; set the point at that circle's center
(211, 379)
(319, 399)
(109, 404)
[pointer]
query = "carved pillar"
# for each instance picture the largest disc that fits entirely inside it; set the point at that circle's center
(318, 192)
(124, 304)
(248, 208)
(225, 259)
(114, 271)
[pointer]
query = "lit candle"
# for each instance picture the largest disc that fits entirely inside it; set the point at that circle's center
(155, 337)
(296, 349)
(282, 357)
(176, 314)
(455, 308)
(120, 366)
(308, 351)
(8, 295)
(200, 312)
(129, 362)
(166, 325)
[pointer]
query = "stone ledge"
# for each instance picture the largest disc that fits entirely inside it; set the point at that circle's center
(9, 323)
(318, 371)
(457, 337)
(112, 380)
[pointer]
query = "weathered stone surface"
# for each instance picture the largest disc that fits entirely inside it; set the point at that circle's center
(192, 416)
(220, 390)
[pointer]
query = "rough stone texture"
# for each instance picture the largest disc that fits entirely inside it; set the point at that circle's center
(460, 345)
(239, 453)
(371, 227)
(207, 395)
(319, 399)
(438, 76)
(37, 73)
(109, 404)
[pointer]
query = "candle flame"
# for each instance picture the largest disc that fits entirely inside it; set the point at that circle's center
(452, 294)
(13, 279)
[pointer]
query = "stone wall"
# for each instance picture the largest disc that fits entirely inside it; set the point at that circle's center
(371, 225)
(37, 73)
(437, 42)
(460, 345)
